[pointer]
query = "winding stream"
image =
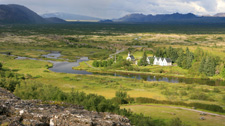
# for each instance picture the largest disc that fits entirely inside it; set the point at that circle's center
(66, 67)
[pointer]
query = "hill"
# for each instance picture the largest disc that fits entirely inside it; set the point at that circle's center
(17, 14)
(67, 16)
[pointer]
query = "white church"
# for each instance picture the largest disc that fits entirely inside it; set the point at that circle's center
(131, 58)
(160, 61)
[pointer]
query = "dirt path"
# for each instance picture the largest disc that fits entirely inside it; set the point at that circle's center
(117, 52)
(111, 55)
(208, 113)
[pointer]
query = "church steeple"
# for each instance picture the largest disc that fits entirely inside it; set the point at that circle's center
(128, 54)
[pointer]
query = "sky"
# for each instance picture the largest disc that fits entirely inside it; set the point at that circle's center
(109, 9)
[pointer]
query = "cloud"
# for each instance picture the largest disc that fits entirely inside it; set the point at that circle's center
(118, 8)
(221, 6)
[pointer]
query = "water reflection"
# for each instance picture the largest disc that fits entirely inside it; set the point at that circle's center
(171, 79)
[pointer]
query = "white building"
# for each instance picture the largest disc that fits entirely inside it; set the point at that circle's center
(160, 61)
(131, 58)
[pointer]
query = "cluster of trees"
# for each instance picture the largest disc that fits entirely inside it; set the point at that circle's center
(207, 63)
(170, 52)
(198, 62)
(185, 59)
(104, 63)
(120, 63)
(182, 58)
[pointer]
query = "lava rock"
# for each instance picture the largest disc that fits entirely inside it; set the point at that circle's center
(14, 111)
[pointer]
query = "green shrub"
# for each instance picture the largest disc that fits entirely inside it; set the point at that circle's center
(223, 98)
(9, 80)
(183, 93)
(216, 90)
(214, 108)
(176, 122)
(34, 90)
(199, 96)
(0, 66)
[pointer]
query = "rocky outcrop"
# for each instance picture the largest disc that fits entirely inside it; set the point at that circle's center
(17, 112)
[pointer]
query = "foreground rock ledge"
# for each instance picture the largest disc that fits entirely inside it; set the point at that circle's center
(17, 112)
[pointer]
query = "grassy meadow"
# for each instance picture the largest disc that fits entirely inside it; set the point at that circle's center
(167, 113)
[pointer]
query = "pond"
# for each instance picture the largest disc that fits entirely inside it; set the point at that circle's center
(66, 67)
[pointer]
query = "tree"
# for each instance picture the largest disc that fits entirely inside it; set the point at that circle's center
(104, 63)
(193, 71)
(189, 58)
(176, 122)
(120, 97)
(95, 63)
(184, 60)
(143, 61)
(223, 73)
(0, 66)
(198, 54)
(180, 58)
(151, 60)
(202, 65)
(208, 66)
(172, 54)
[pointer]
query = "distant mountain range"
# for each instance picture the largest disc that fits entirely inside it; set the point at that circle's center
(219, 15)
(67, 16)
(170, 18)
(12, 13)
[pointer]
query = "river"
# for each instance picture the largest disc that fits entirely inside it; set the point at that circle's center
(66, 67)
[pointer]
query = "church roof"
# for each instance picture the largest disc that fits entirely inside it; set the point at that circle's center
(132, 57)
(168, 60)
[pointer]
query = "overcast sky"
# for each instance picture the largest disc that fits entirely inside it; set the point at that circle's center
(118, 8)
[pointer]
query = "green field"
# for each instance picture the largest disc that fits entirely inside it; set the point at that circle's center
(167, 113)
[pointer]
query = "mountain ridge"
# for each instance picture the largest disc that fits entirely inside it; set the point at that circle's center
(19, 14)
(170, 18)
